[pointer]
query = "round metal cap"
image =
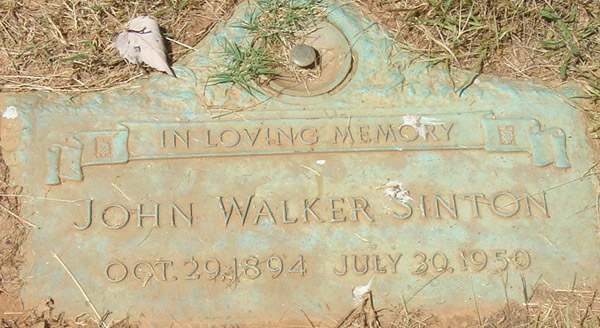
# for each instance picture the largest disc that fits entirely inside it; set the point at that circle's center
(303, 55)
(327, 48)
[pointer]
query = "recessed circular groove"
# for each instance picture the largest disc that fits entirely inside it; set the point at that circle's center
(332, 56)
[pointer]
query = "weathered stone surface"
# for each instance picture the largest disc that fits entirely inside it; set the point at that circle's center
(499, 179)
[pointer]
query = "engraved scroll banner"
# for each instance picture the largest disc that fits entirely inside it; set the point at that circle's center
(91, 148)
(525, 134)
(172, 140)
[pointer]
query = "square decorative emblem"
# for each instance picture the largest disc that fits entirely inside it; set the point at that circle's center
(104, 147)
(507, 134)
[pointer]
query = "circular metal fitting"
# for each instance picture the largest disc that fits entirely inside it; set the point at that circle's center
(325, 51)
(303, 55)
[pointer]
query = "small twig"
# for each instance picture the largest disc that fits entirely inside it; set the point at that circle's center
(182, 44)
(423, 287)
(23, 221)
(591, 168)
(122, 192)
(404, 304)
(43, 198)
(311, 169)
(587, 310)
(535, 288)
(307, 318)
(505, 285)
(371, 317)
(476, 305)
(147, 235)
(525, 296)
(87, 299)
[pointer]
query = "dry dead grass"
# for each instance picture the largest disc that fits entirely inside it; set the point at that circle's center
(12, 234)
(67, 45)
(550, 40)
(546, 308)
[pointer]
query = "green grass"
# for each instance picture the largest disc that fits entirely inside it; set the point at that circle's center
(553, 41)
(281, 21)
(244, 66)
(274, 27)
(566, 42)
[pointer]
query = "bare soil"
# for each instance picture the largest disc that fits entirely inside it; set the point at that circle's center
(67, 46)
(12, 234)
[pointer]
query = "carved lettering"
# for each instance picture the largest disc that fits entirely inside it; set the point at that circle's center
(235, 206)
(141, 215)
(124, 212)
(408, 211)
(422, 206)
(215, 137)
(385, 133)
(143, 275)
(230, 138)
(176, 138)
(447, 130)
(377, 266)
(288, 137)
(284, 212)
(394, 261)
(309, 138)
(185, 140)
(541, 205)
(208, 141)
(265, 210)
(344, 269)
(363, 134)
(360, 205)
(334, 210)
(344, 135)
(362, 264)
(252, 139)
(476, 203)
(452, 209)
(176, 210)
(116, 277)
(88, 221)
(307, 208)
(407, 133)
(163, 265)
(505, 209)
(360, 268)
(430, 131)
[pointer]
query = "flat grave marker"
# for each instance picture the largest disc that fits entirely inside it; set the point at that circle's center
(175, 201)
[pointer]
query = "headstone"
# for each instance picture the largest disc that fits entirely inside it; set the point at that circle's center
(177, 201)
